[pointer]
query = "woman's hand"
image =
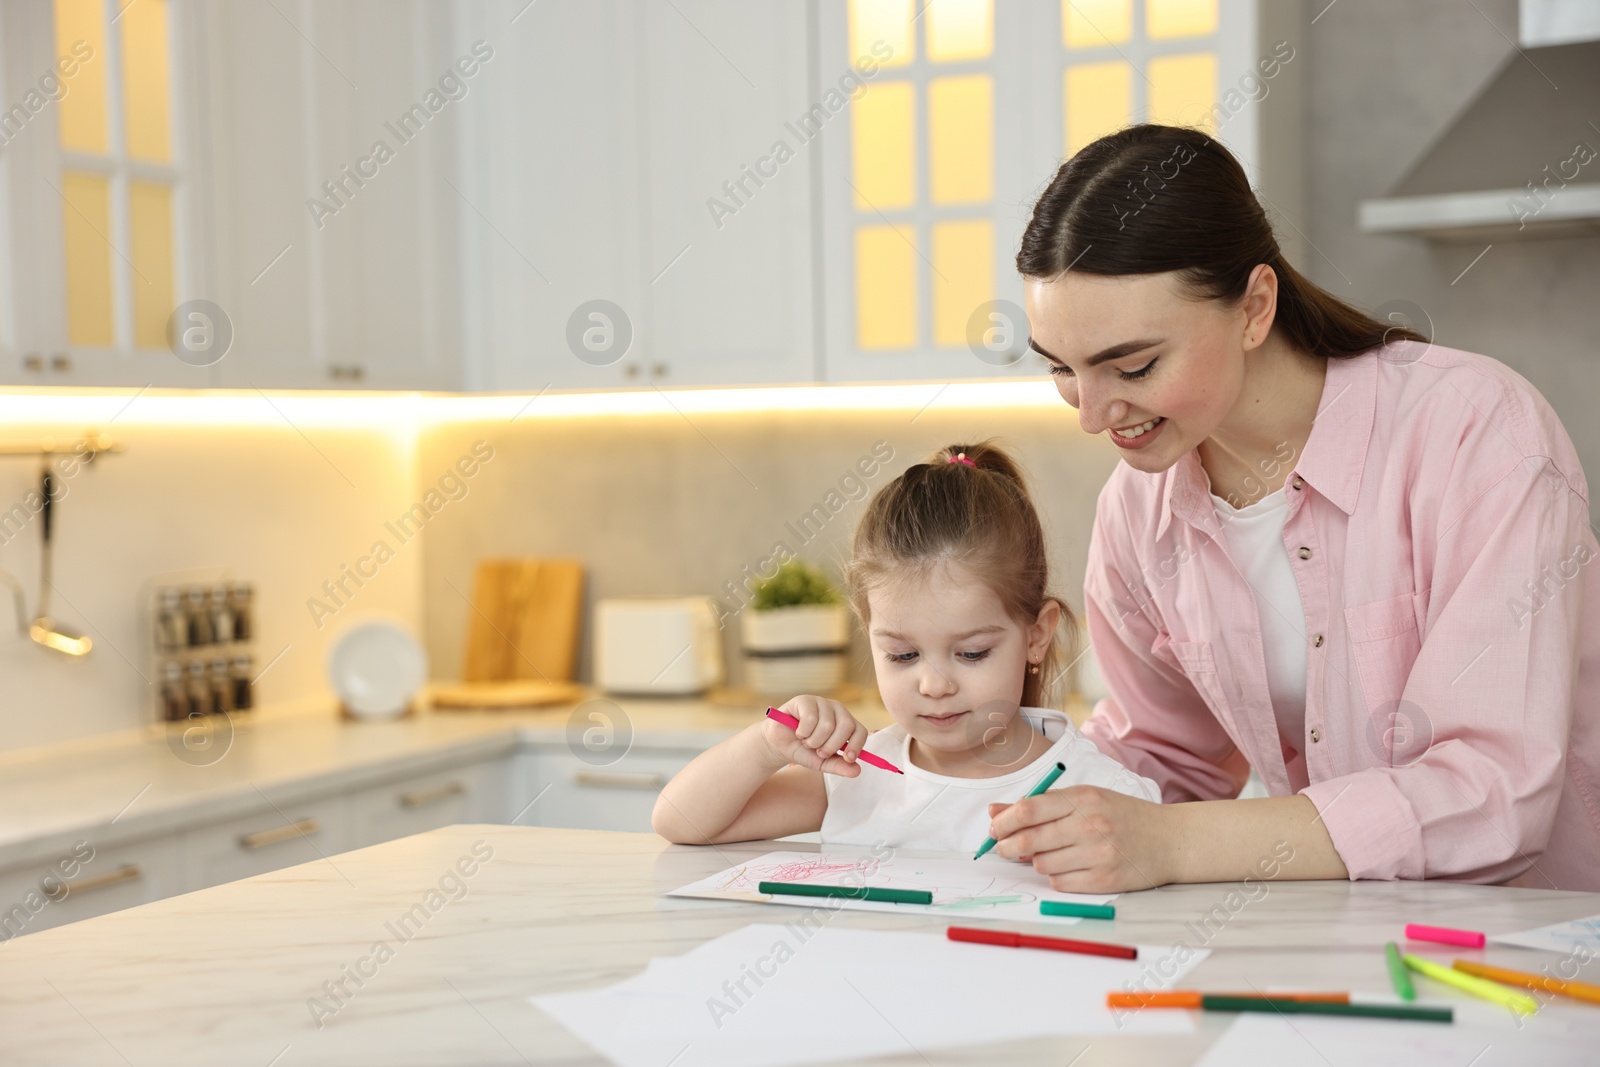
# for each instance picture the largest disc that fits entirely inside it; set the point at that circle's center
(826, 726)
(1087, 839)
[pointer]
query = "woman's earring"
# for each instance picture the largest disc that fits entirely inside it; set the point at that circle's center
(1033, 668)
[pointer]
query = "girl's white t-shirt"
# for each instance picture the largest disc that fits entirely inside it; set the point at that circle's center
(923, 810)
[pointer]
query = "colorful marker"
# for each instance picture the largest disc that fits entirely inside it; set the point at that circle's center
(866, 757)
(1008, 939)
(1444, 935)
(1576, 990)
(1398, 975)
(1284, 1006)
(1191, 998)
(888, 896)
(1077, 911)
(1044, 783)
(1478, 987)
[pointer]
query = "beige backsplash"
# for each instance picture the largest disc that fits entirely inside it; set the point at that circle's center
(673, 505)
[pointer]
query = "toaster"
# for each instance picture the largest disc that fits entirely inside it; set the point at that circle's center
(657, 645)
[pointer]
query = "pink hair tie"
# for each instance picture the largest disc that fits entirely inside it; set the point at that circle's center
(961, 457)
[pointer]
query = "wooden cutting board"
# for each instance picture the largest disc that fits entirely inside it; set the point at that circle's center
(524, 621)
(467, 696)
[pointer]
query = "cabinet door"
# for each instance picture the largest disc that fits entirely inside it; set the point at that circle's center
(264, 841)
(35, 896)
(579, 795)
(549, 214)
(95, 221)
(726, 183)
(471, 794)
(335, 219)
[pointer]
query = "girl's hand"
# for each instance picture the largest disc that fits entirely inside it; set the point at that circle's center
(1087, 839)
(825, 728)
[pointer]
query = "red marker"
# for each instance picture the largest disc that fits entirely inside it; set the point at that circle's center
(866, 757)
(1060, 944)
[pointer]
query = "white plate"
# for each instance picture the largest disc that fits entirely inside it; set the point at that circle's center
(376, 668)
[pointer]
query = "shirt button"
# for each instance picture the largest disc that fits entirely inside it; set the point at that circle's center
(1299, 482)
(1305, 553)
(1315, 736)
(1317, 641)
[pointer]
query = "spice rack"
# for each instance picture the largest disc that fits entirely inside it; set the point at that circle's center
(202, 639)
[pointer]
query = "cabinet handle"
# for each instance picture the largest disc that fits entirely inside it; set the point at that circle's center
(128, 872)
(424, 797)
(263, 838)
(620, 780)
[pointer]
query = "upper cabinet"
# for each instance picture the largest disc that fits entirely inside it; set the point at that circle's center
(493, 195)
(631, 226)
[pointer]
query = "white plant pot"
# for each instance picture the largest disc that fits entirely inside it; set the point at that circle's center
(799, 649)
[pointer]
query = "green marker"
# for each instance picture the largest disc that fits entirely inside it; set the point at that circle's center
(1306, 1007)
(1077, 911)
(890, 896)
(1044, 783)
(1398, 973)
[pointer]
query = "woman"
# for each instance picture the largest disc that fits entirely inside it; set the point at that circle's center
(1333, 552)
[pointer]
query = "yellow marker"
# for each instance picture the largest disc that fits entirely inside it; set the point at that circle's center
(1478, 987)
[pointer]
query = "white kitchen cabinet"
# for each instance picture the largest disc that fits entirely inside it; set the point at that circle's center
(1027, 77)
(726, 184)
(281, 836)
(576, 794)
(35, 897)
(470, 794)
(551, 216)
(609, 130)
(335, 260)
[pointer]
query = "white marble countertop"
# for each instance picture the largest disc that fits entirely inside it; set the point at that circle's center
(224, 975)
(139, 783)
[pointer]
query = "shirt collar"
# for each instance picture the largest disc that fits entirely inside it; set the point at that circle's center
(1334, 458)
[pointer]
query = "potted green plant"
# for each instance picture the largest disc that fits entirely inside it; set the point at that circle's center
(795, 633)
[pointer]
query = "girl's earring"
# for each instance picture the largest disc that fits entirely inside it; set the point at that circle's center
(1033, 668)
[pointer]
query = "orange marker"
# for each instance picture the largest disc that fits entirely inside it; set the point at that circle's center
(1576, 990)
(1190, 998)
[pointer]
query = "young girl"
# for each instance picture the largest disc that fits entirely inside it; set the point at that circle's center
(949, 577)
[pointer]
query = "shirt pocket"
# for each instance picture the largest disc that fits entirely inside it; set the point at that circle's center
(1384, 642)
(1199, 665)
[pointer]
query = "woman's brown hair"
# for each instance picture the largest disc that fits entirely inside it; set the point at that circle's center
(980, 517)
(1150, 199)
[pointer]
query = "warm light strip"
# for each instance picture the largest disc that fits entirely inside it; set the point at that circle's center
(99, 408)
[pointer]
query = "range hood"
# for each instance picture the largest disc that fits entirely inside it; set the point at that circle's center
(1522, 160)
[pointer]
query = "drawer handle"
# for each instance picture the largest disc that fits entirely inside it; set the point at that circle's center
(263, 838)
(620, 780)
(423, 797)
(128, 872)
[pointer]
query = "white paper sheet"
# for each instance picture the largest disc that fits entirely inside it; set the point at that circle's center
(961, 886)
(771, 994)
(1475, 1038)
(1564, 938)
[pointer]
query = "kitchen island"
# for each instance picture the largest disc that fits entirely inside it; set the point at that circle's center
(283, 968)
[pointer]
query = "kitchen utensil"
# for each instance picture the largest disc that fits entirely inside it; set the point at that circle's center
(486, 696)
(524, 620)
(45, 630)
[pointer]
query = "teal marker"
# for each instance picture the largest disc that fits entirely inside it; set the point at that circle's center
(1077, 911)
(1044, 783)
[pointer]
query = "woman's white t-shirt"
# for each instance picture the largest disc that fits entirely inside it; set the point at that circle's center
(924, 810)
(1255, 542)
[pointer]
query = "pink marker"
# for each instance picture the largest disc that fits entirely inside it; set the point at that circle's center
(1444, 935)
(866, 757)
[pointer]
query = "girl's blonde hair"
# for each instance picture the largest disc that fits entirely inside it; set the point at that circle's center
(977, 514)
